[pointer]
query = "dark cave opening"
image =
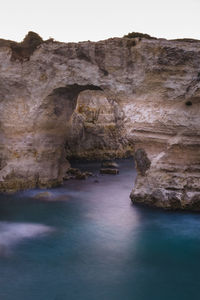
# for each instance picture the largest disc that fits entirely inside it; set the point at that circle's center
(72, 90)
(188, 103)
(65, 98)
(85, 123)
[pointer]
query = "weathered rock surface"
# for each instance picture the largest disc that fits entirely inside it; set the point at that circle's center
(109, 167)
(101, 100)
(109, 164)
(109, 171)
(74, 173)
(95, 130)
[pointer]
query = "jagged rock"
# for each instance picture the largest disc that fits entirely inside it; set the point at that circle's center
(103, 100)
(109, 171)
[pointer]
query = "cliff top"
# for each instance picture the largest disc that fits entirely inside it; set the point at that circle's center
(23, 50)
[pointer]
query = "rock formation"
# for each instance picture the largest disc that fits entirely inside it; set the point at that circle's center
(102, 100)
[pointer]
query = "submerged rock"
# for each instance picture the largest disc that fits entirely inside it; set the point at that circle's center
(48, 196)
(43, 195)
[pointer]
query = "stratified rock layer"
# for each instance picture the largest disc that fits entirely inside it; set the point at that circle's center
(102, 100)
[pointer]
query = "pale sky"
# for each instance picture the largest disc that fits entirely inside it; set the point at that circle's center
(76, 20)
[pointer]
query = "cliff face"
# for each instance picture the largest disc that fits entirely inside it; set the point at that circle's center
(100, 100)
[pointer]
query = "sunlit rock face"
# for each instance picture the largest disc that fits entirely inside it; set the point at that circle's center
(96, 129)
(166, 125)
(100, 100)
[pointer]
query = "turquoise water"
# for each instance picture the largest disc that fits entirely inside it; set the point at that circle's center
(92, 244)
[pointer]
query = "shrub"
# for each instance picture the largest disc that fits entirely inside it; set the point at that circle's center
(133, 35)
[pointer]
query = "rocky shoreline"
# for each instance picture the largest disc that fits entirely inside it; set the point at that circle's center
(103, 100)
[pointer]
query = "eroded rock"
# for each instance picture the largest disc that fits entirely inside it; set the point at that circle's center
(109, 171)
(142, 161)
(109, 164)
(103, 100)
(74, 173)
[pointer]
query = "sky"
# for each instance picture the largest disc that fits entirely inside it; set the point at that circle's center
(77, 20)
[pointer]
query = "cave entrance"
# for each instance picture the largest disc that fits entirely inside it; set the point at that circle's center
(94, 122)
(82, 121)
(64, 99)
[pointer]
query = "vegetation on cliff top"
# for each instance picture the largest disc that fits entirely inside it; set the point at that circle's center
(140, 35)
(23, 51)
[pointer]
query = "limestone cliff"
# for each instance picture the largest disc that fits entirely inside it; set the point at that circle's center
(100, 100)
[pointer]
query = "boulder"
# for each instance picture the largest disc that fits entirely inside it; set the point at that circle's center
(109, 171)
(109, 164)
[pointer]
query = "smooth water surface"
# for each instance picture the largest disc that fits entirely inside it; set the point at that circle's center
(93, 244)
